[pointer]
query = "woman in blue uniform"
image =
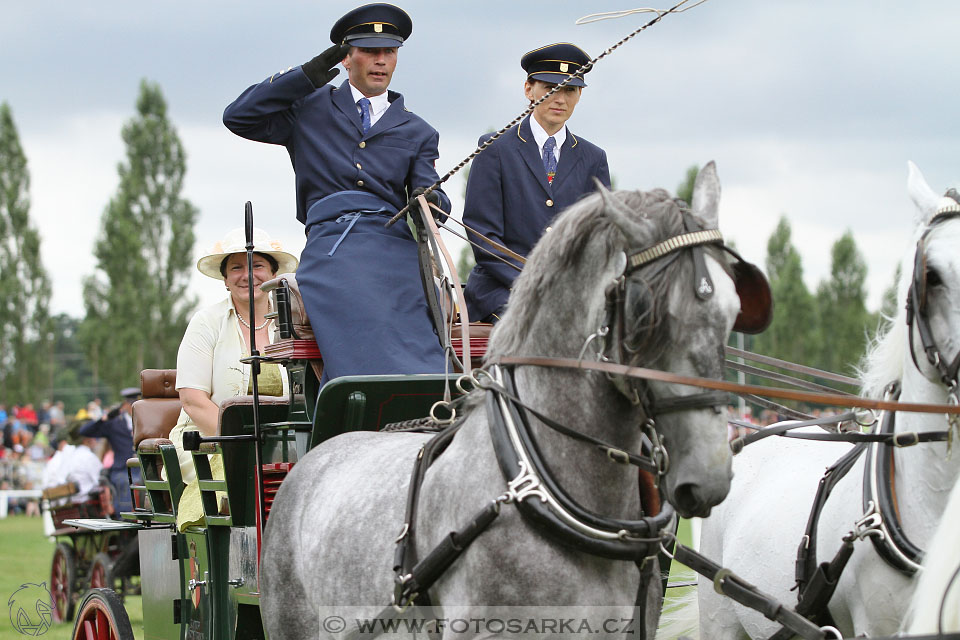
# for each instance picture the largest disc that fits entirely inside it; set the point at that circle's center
(528, 175)
(359, 156)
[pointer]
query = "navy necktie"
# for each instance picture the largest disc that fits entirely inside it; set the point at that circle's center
(549, 158)
(364, 104)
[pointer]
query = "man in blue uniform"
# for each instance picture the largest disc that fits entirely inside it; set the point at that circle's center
(359, 156)
(117, 428)
(528, 175)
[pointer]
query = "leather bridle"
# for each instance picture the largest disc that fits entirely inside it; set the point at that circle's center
(917, 306)
(613, 343)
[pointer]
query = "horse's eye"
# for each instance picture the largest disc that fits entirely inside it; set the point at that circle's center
(933, 278)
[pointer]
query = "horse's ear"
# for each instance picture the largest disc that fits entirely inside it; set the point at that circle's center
(706, 195)
(920, 192)
(621, 216)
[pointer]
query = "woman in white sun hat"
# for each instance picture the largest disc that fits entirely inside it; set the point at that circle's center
(209, 370)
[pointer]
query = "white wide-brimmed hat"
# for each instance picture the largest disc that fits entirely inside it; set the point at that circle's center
(235, 242)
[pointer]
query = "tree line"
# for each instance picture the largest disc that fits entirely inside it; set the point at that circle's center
(136, 302)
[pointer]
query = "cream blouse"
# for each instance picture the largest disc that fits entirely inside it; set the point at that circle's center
(209, 360)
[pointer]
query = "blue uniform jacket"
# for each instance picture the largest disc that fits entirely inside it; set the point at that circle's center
(118, 434)
(322, 132)
(510, 201)
(120, 437)
(360, 282)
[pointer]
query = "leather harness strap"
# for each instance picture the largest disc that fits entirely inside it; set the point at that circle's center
(731, 585)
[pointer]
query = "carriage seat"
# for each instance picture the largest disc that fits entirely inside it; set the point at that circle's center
(300, 347)
(158, 409)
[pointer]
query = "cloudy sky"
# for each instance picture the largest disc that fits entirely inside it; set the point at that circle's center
(811, 108)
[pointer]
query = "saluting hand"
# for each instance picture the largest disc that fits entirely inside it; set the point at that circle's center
(321, 69)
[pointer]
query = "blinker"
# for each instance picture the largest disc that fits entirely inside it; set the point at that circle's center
(756, 300)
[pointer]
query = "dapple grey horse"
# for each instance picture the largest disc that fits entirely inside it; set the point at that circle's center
(329, 543)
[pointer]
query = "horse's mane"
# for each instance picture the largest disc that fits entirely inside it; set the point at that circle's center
(584, 237)
(883, 361)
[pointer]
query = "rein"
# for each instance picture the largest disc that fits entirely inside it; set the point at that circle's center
(641, 373)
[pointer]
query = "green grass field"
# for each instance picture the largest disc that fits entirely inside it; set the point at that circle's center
(25, 555)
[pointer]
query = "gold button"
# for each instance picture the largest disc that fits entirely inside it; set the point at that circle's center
(549, 203)
(358, 166)
(363, 145)
(359, 183)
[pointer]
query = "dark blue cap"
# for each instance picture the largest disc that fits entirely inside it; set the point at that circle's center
(555, 63)
(373, 26)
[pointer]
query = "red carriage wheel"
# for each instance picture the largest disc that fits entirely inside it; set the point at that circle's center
(101, 616)
(102, 574)
(63, 573)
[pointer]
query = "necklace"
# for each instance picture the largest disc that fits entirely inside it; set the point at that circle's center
(247, 324)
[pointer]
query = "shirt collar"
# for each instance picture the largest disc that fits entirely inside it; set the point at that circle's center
(378, 104)
(540, 136)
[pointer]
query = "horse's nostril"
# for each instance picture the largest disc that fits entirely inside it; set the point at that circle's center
(686, 499)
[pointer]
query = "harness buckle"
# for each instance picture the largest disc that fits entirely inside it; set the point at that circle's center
(953, 419)
(618, 456)
(402, 597)
(658, 452)
(907, 439)
(870, 524)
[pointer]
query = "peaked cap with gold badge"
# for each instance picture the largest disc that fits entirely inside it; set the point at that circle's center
(373, 26)
(555, 63)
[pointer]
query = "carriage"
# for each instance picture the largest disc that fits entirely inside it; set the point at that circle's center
(206, 581)
(88, 558)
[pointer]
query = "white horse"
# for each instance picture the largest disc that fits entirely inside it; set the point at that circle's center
(757, 530)
(332, 533)
(935, 607)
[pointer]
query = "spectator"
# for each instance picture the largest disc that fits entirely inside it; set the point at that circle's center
(94, 409)
(74, 462)
(117, 428)
(27, 417)
(43, 416)
(56, 416)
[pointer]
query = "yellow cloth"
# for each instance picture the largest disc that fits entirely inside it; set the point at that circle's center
(270, 380)
(190, 510)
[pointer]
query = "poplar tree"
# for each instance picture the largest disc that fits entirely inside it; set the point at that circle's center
(793, 334)
(136, 302)
(25, 325)
(842, 308)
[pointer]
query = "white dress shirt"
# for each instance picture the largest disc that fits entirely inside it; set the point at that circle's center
(378, 104)
(540, 136)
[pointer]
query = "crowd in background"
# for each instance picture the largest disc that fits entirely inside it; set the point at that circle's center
(32, 437)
